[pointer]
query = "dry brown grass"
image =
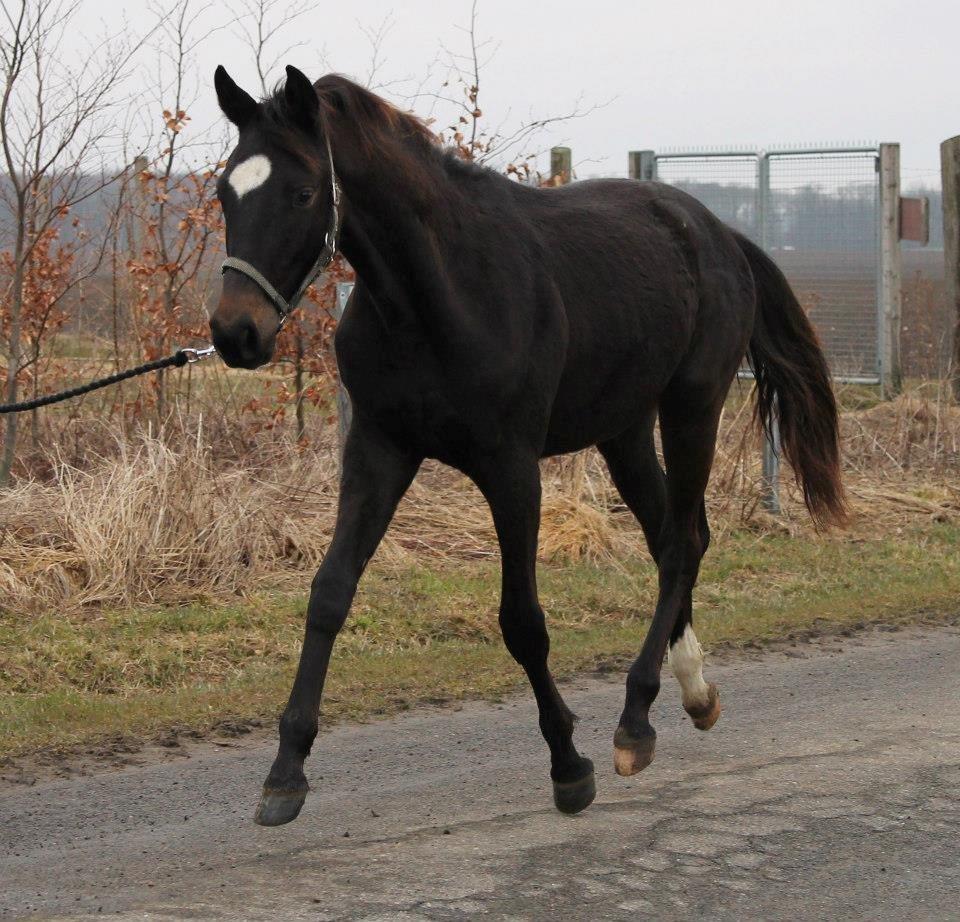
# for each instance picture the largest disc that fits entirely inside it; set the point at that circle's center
(148, 523)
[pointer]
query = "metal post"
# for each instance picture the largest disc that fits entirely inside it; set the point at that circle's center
(890, 270)
(771, 466)
(763, 198)
(344, 412)
(642, 164)
(770, 495)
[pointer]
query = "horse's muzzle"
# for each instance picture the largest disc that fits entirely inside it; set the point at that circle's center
(244, 326)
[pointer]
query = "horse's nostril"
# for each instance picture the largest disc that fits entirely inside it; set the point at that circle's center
(250, 340)
(238, 341)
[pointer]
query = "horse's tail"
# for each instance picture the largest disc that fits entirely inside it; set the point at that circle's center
(793, 382)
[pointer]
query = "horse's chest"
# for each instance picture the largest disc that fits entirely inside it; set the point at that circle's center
(400, 386)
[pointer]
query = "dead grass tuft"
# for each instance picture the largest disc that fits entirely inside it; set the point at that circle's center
(149, 523)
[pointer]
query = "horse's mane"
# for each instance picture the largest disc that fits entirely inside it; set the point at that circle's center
(379, 123)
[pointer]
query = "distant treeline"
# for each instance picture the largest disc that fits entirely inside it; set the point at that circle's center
(96, 213)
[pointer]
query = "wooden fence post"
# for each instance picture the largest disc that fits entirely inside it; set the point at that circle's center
(891, 269)
(642, 164)
(950, 173)
(561, 166)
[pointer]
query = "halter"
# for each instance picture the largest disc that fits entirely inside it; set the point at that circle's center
(283, 306)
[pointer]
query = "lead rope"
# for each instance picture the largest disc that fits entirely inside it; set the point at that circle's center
(179, 358)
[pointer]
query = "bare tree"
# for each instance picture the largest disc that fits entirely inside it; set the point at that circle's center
(262, 26)
(470, 131)
(172, 210)
(58, 140)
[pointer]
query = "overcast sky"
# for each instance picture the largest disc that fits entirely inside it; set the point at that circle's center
(672, 73)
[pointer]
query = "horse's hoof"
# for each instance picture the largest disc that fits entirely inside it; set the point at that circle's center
(278, 807)
(573, 796)
(704, 716)
(632, 754)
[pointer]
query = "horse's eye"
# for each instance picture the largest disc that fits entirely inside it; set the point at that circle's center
(303, 198)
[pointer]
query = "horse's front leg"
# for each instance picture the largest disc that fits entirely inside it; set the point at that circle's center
(376, 474)
(511, 486)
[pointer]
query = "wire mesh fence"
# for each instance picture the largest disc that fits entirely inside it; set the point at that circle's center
(817, 212)
(822, 226)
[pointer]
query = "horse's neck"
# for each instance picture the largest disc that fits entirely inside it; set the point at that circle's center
(392, 237)
(404, 239)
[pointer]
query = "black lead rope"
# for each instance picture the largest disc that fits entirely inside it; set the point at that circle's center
(179, 358)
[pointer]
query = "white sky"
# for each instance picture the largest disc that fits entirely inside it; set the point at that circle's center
(673, 73)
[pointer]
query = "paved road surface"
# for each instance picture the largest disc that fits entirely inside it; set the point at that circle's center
(829, 789)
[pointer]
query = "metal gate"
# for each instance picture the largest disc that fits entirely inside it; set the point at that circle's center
(830, 219)
(819, 214)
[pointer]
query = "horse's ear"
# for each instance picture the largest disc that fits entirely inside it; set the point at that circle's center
(301, 98)
(237, 105)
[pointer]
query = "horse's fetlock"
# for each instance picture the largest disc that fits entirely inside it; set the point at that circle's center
(557, 725)
(299, 731)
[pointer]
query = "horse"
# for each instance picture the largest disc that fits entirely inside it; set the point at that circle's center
(494, 324)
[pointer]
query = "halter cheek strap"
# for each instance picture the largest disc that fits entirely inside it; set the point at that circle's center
(283, 306)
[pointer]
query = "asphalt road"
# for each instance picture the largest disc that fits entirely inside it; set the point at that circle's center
(830, 788)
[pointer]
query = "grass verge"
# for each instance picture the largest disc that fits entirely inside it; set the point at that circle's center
(421, 636)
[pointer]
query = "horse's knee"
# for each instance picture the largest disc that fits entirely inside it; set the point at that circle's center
(704, 531)
(524, 632)
(330, 598)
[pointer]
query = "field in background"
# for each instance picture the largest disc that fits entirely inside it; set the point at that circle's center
(212, 511)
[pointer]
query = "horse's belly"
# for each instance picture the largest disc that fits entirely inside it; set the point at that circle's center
(587, 415)
(606, 388)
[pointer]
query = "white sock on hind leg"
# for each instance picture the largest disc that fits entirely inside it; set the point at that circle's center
(686, 660)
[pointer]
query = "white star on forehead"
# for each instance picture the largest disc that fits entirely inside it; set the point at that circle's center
(249, 175)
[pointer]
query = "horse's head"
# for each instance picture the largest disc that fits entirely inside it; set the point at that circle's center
(279, 204)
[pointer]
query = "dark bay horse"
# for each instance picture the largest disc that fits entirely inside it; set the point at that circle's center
(493, 324)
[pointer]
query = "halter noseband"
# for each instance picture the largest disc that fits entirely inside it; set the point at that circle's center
(283, 306)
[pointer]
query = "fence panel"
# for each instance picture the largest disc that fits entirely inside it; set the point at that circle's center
(817, 212)
(822, 227)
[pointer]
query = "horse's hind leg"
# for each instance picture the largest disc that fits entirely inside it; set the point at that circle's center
(633, 464)
(688, 444)
(636, 472)
(512, 488)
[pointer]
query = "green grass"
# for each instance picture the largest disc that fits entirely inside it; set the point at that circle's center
(430, 634)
